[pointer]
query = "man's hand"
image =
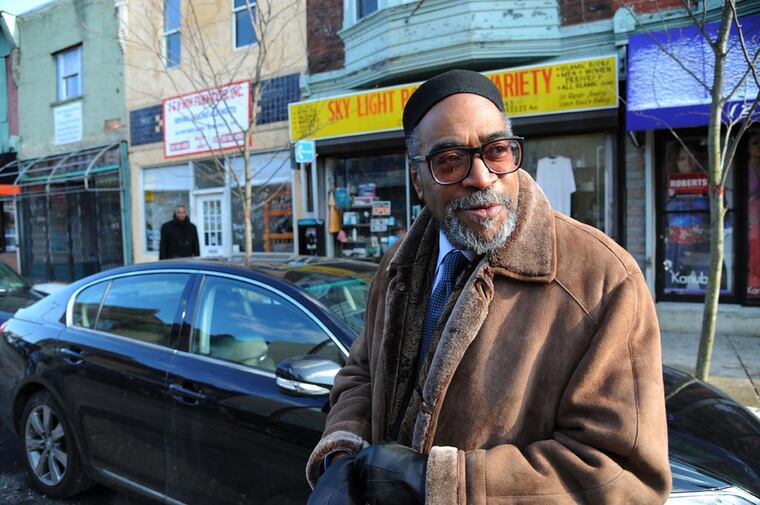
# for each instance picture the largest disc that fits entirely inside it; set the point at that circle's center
(338, 485)
(391, 474)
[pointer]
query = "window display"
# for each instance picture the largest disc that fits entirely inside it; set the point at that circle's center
(163, 189)
(368, 205)
(272, 220)
(686, 223)
(753, 215)
(572, 171)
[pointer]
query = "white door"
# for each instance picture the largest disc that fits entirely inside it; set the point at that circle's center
(211, 231)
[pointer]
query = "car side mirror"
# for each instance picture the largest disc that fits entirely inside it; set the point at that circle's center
(308, 375)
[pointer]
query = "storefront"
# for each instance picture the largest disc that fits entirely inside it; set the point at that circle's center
(213, 190)
(675, 122)
(189, 151)
(568, 112)
(70, 214)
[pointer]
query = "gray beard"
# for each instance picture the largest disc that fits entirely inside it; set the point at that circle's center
(465, 238)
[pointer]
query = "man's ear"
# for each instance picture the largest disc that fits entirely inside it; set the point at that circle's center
(417, 183)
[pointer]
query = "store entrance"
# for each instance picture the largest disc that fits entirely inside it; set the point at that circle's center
(212, 213)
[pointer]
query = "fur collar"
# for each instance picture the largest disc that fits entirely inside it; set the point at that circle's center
(529, 254)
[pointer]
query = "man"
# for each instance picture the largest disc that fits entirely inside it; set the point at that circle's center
(179, 237)
(509, 355)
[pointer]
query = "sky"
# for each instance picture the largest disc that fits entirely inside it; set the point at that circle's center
(20, 6)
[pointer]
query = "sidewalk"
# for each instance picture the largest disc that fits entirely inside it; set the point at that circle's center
(734, 368)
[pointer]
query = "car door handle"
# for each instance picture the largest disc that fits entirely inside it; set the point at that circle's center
(185, 395)
(72, 355)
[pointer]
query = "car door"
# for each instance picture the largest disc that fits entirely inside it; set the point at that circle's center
(115, 353)
(234, 435)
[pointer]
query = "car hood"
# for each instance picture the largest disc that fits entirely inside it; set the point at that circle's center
(709, 434)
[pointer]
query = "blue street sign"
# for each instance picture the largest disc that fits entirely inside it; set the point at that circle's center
(306, 151)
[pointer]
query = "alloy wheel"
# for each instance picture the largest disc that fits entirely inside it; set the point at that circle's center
(44, 439)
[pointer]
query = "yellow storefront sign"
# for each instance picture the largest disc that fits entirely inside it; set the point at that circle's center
(568, 86)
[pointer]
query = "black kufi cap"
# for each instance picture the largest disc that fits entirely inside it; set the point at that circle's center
(444, 85)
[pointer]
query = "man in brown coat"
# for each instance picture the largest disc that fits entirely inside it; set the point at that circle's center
(524, 371)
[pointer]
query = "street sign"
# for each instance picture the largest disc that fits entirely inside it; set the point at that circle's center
(306, 151)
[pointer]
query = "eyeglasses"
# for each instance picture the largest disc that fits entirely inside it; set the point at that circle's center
(453, 164)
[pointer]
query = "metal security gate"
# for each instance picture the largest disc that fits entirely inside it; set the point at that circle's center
(71, 222)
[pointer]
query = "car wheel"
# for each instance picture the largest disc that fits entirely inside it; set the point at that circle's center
(48, 449)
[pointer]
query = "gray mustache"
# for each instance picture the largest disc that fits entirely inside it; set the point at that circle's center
(479, 199)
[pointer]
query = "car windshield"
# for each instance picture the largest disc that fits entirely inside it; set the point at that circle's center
(10, 280)
(340, 285)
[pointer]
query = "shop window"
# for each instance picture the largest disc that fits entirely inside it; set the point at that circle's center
(272, 218)
(209, 174)
(9, 227)
(243, 19)
(753, 217)
(68, 66)
(172, 40)
(163, 189)
(573, 171)
(685, 221)
(368, 205)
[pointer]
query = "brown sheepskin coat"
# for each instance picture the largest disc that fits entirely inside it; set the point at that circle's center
(546, 383)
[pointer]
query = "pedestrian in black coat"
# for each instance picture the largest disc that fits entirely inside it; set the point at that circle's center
(179, 237)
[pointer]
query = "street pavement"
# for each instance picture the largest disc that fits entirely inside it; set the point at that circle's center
(734, 368)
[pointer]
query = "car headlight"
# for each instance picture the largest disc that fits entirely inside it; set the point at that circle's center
(727, 496)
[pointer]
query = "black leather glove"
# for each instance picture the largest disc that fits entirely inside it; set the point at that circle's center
(392, 474)
(338, 485)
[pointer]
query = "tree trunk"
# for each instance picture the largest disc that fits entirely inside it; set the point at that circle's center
(247, 202)
(716, 190)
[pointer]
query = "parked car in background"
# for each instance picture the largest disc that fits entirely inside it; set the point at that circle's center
(15, 293)
(207, 382)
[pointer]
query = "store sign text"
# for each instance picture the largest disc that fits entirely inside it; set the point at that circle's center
(547, 89)
(695, 183)
(209, 120)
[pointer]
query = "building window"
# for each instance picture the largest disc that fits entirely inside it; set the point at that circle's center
(163, 189)
(272, 218)
(276, 94)
(365, 8)
(575, 173)
(753, 221)
(172, 44)
(243, 18)
(69, 73)
(685, 221)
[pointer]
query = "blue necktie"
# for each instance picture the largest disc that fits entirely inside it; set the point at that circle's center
(452, 264)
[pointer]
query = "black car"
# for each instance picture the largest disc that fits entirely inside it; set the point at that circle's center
(207, 382)
(15, 293)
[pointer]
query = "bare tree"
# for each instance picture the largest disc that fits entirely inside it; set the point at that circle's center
(725, 130)
(209, 66)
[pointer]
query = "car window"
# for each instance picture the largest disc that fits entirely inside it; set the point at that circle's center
(243, 323)
(87, 304)
(10, 280)
(143, 307)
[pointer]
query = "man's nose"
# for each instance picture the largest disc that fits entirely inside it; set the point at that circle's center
(479, 177)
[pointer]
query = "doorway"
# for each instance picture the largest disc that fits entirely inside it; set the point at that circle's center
(212, 234)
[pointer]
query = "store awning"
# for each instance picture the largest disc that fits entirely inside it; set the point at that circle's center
(664, 94)
(63, 172)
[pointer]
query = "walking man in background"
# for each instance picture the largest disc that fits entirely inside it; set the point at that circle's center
(179, 237)
(510, 354)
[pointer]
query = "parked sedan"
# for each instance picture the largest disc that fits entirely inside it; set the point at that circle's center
(207, 382)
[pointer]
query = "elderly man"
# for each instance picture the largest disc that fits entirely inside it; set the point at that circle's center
(509, 355)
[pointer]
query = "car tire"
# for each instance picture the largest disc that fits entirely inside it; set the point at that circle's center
(48, 449)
